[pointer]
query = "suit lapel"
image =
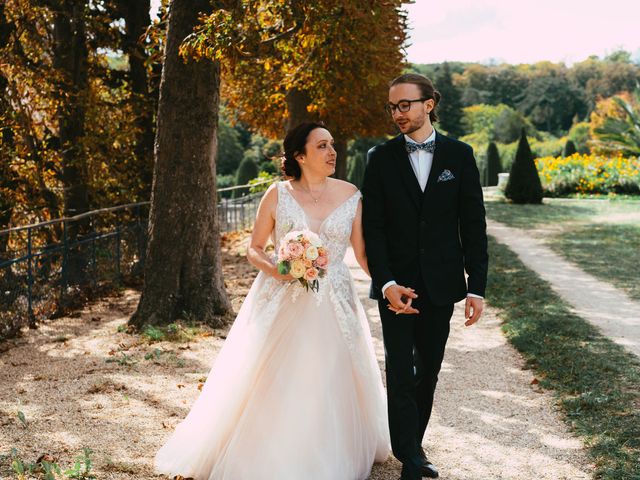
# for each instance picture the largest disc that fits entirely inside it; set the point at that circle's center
(406, 171)
(437, 165)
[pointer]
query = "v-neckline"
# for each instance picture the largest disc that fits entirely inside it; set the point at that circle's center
(306, 215)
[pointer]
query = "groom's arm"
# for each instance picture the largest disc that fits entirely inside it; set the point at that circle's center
(473, 227)
(373, 221)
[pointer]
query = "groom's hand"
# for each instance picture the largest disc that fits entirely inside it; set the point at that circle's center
(400, 299)
(472, 310)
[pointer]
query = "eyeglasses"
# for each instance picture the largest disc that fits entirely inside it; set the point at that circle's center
(402, 106)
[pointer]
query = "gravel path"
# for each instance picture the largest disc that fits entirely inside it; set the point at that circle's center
(80, 382)
(609, 309)
(489, 421)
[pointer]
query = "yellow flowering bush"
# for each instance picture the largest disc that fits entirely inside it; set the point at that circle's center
(589, 174)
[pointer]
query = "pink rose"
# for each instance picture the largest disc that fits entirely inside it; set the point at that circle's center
(322, 261)
(294, 250)
(311, 274)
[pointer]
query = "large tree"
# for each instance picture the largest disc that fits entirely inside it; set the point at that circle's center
(450, 108)
(295, 61)
(551, 101)
(70, 61)
(143, 95)
(183, 276)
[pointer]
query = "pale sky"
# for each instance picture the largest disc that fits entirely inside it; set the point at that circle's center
(521, 31)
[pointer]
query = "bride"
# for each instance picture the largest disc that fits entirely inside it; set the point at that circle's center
(296, 392)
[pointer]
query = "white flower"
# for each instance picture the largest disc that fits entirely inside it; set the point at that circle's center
(290, 237)
(311, 253)
(314, 239)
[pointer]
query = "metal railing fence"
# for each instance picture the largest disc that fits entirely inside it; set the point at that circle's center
(48, 267)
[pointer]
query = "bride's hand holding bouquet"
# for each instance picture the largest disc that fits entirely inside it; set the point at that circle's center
(301, 256)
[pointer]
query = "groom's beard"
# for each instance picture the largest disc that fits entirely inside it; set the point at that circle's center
(411, 125)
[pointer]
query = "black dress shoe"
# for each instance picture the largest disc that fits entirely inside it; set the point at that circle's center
(428, 469)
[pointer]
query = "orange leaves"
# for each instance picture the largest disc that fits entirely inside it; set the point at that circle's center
(341, 54)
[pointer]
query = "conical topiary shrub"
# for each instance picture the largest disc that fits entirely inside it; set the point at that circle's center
(494, 167)
(524, 183)
(569, 149)
(247, 170)
(355, 169)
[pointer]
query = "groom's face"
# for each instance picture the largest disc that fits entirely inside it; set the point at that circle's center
(417, 115)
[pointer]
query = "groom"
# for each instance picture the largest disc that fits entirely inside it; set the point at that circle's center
(424, 225)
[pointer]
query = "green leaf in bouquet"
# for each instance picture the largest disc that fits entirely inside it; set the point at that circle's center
(283, 268)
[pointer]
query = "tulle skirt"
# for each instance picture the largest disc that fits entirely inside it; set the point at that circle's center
(289, 396)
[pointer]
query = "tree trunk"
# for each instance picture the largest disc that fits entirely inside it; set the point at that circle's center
(136, 16)
(297, 102)
(183, 275)
(8, 181)
(341, 162)
(71, 62)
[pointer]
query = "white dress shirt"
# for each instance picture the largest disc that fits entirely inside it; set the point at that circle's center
(421, 162)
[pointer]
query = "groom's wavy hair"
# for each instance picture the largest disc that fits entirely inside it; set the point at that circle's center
(426, 88)
(294, 144)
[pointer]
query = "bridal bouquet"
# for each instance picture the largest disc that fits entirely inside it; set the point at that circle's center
(302, 255)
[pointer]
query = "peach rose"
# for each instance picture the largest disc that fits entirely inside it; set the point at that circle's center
(311, 274)
(322, 261)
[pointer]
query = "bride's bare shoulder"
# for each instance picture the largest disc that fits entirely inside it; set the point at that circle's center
(270, 197)
(343, 188)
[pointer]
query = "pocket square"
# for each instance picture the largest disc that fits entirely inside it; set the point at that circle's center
(445, 176)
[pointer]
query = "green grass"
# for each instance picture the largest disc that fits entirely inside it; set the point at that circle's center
(596, 381)
(553, 211)
(608, 251)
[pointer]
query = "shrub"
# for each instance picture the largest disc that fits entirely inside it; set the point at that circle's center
(524, 184)
(248, 170)
(569, 149)
(494, 167)
(355, 170)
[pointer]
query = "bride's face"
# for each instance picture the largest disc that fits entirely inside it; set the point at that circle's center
(320, 156)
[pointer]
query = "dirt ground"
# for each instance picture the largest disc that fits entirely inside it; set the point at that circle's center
(79, 381)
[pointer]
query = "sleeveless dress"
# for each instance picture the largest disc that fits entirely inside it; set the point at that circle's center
(296, 391)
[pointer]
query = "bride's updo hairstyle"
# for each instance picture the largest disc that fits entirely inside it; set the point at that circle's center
(294, 144)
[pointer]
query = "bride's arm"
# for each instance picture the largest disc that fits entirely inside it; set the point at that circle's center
(262, 228)
(357, 240)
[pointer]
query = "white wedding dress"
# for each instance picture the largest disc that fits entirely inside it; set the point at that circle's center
(296, 392)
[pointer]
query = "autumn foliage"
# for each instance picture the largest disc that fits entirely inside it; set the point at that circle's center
(286, 62)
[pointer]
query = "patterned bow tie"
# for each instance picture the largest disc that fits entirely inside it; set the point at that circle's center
(428, 147)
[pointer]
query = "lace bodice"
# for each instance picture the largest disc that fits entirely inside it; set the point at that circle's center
(335, 229)
(336, 287)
